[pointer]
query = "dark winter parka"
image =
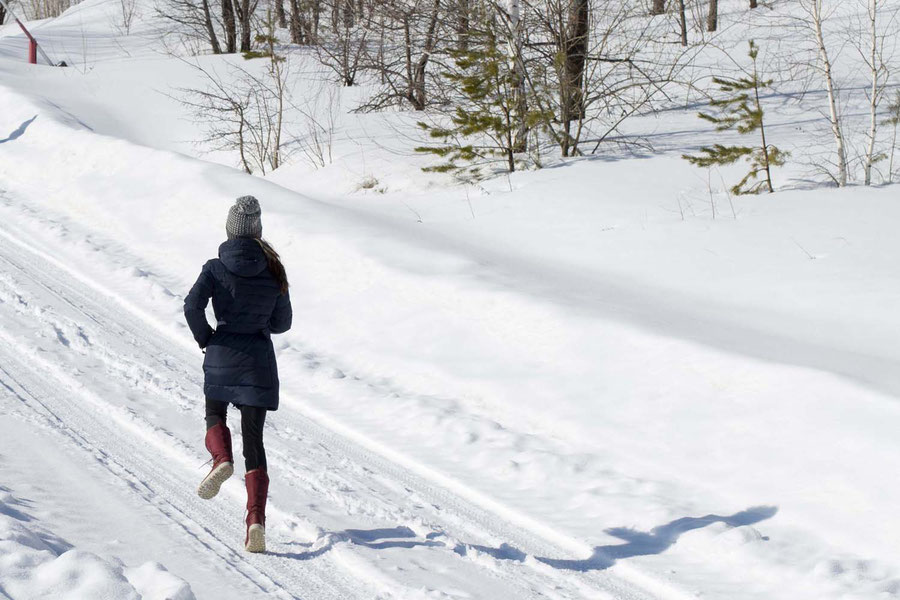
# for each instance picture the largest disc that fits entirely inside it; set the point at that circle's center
(239, 366)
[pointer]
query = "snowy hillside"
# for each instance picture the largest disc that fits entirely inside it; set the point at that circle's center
(606, 378)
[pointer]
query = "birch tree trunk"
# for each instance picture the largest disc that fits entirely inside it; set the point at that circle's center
(893, 150)
(520, 140)
(875, 91)
(278, 76)
(818, 18)
(419, 98)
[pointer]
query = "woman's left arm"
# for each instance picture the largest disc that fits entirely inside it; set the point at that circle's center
(282, 315)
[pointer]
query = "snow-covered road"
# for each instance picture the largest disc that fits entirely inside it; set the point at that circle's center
(106, 407)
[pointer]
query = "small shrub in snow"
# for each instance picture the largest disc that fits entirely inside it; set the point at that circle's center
(369, 182)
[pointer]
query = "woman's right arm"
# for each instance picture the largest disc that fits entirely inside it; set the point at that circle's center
(195, 307)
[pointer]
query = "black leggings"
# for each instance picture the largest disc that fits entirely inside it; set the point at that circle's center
(252, 421)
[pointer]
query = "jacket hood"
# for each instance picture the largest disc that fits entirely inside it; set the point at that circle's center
(243, 257)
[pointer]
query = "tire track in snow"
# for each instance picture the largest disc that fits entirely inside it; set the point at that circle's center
(435, 501)
(175, 450)
(133, 451)
(169, 491)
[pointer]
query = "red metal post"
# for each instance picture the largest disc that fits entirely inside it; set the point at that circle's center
(33, 48)
(32, 44)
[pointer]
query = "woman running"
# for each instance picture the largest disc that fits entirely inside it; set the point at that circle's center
(249, 291)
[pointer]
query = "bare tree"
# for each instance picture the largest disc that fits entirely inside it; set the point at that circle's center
(416, 90)
(409, 38)
(876, 68)
(683, 22)
(224, 112)
(193, 20)
(567, 26)
(276, 87)
(574, 43)
(242, 111)
(298, 26)
(127, 12)
(712, 16)
(594, 64)
(210, 29)
(320, 111)
(816, 12)
(230, 26)
(463, 9)
(870, 41)
(45, 9)
(894, 121)
(570, 73)
(344, 47)
(510, 12)
(304, 21)
(2, 14)
(244, 10)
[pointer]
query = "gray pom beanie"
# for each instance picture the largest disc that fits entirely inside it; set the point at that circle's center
(244, 219)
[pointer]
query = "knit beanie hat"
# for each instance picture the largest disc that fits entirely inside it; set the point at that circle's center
(244, 219)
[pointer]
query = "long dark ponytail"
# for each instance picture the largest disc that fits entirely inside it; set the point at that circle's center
(275, 266)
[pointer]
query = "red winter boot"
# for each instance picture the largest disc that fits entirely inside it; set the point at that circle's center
(218, 442)
(257, 492)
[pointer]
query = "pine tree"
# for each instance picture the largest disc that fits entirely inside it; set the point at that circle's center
(743, 111)
(486, 121)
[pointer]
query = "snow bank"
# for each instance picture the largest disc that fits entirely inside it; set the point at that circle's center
(496, 369)
(35, 564)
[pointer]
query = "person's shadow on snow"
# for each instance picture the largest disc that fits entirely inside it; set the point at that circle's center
(17, 133)
(377, 539)
(637, 543)
(657, 540)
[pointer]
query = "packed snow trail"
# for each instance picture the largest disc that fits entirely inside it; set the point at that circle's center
(89, 375)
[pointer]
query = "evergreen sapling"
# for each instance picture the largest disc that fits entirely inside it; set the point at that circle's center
(742, 110)
(487, 121)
